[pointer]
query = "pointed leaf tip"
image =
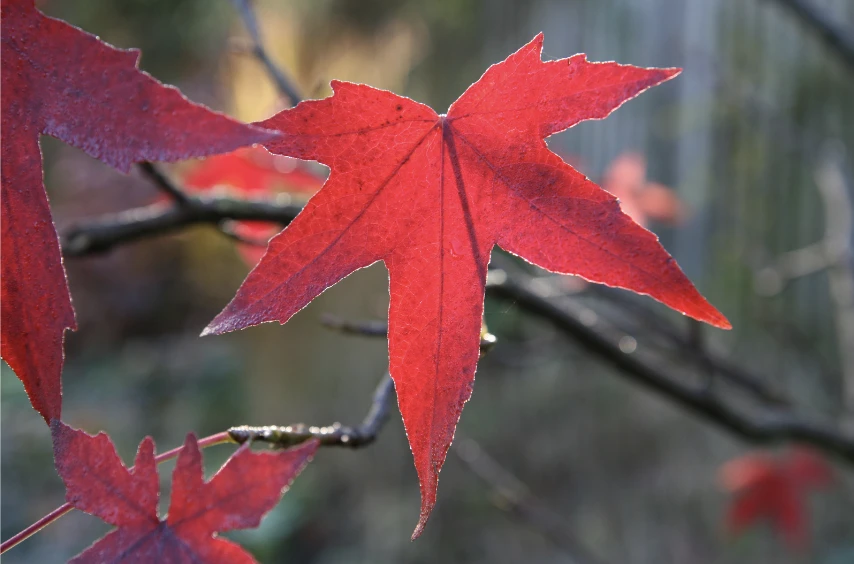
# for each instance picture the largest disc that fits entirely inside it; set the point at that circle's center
(422, 520)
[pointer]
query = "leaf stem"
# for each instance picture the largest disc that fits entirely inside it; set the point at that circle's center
(218, 438)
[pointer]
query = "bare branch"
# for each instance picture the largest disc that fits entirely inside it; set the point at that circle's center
(331, 435)
(158, 219)
(686, 346)
(767, 426)
(227, 228)
(517, 498)
(834, 255)
(283, 83)
(840, 272)
(770, 425)
(164, 183)
(380, 329)
(835, 36)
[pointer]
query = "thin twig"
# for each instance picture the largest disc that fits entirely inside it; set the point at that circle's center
(516, 497)
(331, 435)
(704, 358)
(164, 183)
(767, 426)
(834, 35)
(840, 272)
(182, 200)
(227, 228)
(380, 329)
(834, 255)
(283, 83)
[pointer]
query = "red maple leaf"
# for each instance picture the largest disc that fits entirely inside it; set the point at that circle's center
(774, 489)
(430, 195)
(247, 486)
(58, 80)
(253, 172)
(639, 198)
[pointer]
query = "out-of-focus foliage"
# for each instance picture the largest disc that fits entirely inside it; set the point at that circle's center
(739, 135)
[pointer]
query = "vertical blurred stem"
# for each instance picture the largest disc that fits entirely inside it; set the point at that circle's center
(840, 270)
(283, 83)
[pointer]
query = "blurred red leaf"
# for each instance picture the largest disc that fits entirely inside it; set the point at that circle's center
(247, 486)
(58, 80)
(250, 173)
(430, 195)
(774, 489)
(253, 171)
(640, 199)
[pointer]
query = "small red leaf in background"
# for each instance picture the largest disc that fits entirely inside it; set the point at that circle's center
(58, 80)
(641, 199)
(251, 173)
(247, 486)
(431, 195)
(774, 489)
(254, 171)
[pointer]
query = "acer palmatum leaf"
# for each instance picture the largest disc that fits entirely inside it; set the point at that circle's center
(430, 195)
(247, 486)
(58, 80)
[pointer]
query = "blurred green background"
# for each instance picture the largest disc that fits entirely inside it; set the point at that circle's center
(739, 136)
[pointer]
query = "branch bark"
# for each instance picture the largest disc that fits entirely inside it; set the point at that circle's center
(330, 435)
(771, 424)
(837, 37)
(111, 230)
(283, 83)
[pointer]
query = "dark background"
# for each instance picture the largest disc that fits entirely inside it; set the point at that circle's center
(761, 107)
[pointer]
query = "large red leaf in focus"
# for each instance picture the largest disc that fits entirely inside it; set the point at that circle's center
(58, 80)
(639, 198)
(247, 486)
(254, 172)
(430, 195)
(774, 489)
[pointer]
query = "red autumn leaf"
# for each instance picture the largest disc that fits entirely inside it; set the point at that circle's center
(58, 80)
(253, 171)
(247, 486)
(774, 489)
(430, 195)
(258, 232)
(640, 199)
(249, 173)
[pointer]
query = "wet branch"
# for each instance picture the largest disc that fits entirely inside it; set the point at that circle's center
(767, 423)
(764, 424)
(163, 183)
(331, 435)
(514, 496)
(111, 230)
